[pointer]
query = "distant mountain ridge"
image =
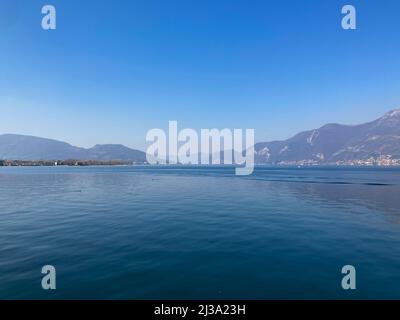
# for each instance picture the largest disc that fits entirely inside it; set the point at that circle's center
(20, 147)
(332, 143)
(336, 142)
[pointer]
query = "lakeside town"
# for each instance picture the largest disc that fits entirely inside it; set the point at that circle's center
(50, 163)
(382, 161)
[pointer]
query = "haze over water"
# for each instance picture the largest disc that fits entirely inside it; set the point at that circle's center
(146, 232)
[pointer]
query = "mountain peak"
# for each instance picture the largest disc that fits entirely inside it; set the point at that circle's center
(395, 113)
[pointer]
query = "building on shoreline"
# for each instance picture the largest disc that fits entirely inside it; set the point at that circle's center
(53, 163)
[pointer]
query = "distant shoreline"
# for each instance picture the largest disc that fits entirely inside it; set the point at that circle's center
(69, 163)
(89, 163)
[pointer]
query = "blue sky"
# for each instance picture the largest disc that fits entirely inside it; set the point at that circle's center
(114, 69)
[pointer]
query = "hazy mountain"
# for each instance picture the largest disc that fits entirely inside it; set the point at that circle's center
(116, 152)
(330, 143)
(336, 142)
(19, 147)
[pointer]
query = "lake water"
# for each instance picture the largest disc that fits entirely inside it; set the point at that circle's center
(185, 233)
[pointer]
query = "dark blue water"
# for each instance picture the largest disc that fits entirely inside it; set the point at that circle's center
(184, 233)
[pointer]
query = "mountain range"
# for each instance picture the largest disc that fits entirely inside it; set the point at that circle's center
(19, 147)
(328, 144)
(336, 142)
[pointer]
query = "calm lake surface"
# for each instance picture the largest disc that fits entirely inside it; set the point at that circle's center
(183, 233)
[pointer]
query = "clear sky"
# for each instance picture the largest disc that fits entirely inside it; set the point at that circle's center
(114, 69)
